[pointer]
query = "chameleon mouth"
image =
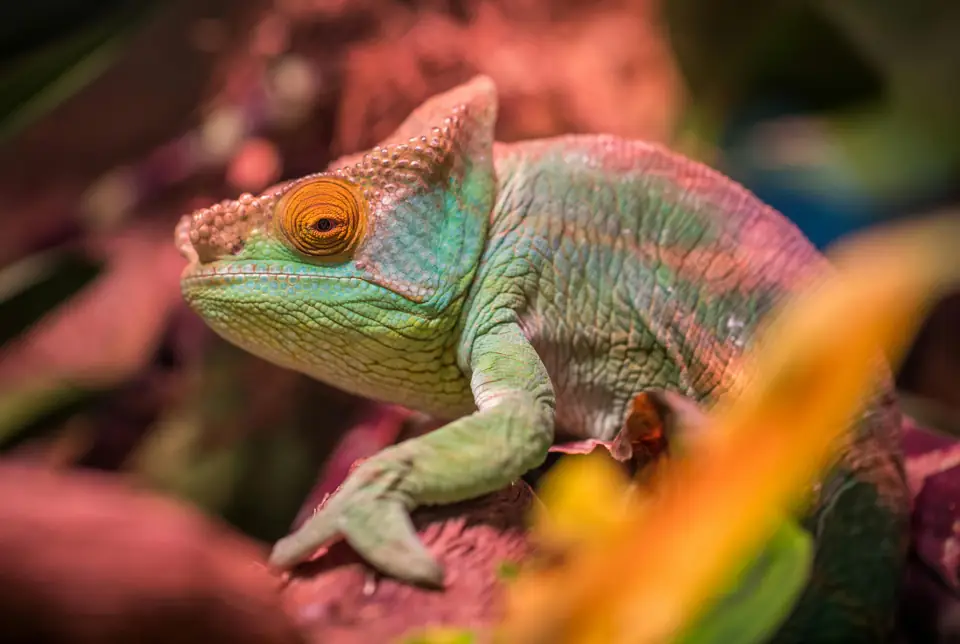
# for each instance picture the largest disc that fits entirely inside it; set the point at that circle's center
(225, 272)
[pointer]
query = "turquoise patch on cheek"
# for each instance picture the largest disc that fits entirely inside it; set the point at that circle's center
(260, 247)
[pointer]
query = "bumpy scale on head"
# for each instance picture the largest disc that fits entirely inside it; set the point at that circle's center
(396, 171)
(210, 233)
(383, 176)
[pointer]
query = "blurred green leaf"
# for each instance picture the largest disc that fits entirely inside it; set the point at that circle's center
(508, 570)
(174, 459)
(30, 289)
(442, 636)
(763, 596)
(23, 407)
(38, 284)
(34, 83)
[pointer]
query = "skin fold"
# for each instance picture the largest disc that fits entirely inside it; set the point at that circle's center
(527, 292)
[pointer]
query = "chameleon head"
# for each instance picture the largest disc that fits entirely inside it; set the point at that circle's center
(357, 275)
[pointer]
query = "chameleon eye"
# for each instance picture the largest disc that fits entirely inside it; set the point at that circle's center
(323, 217)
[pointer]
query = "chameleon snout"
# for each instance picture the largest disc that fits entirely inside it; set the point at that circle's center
(209, 234)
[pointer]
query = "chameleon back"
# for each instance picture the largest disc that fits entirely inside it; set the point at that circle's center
(631, 267)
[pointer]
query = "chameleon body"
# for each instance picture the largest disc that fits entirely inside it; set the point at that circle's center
(527, 292)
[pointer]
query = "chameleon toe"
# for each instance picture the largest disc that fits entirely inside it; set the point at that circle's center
(292, 550)
(318, 530)
(390, 543)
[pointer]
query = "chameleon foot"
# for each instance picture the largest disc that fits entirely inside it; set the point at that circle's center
(372, 514)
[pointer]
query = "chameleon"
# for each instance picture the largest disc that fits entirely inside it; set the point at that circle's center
(525, 293)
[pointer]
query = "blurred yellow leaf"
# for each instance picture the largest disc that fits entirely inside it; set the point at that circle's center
(648, 577)
(570, 514)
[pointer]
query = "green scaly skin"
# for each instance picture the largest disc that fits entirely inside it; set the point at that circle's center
(526, 292)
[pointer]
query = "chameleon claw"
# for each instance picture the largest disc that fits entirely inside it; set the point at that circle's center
(293, 549)
(318, 531)
(371, 514)
(393, 546)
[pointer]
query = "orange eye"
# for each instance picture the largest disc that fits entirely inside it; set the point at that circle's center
(323, 217)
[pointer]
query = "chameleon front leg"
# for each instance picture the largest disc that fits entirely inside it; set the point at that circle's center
(507, 436)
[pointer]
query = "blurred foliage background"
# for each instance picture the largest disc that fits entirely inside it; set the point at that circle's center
(119, 115)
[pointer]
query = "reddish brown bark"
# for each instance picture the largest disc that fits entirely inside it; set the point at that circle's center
(336, 598)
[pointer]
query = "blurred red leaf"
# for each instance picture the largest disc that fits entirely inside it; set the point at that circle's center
(84, 559)
(933, 469)
(108, 331)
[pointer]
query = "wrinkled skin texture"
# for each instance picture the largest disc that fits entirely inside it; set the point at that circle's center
(527, 292)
